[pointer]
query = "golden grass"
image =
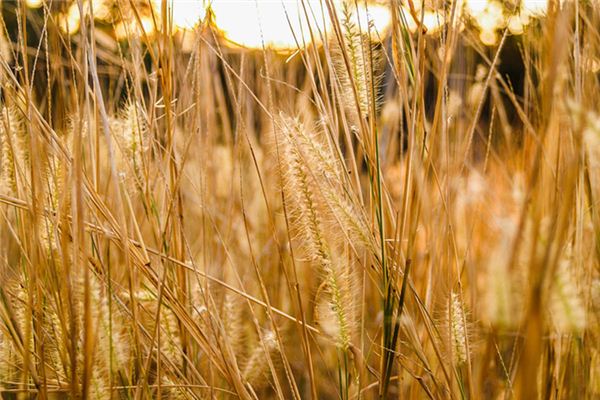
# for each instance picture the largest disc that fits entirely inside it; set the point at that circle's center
(375, 216)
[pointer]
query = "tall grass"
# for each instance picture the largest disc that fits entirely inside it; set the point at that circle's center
(402, 214)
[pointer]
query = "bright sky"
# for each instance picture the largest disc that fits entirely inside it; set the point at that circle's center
(282, 24)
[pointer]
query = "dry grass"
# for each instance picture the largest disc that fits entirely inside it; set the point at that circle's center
(385, 215)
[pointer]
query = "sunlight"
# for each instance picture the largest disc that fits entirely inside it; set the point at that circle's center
(123, 29)
(534, 7)
(378, 15)
(285, 25)
(186, 14)
(490, 17)
(34, 3)
(279, 25)
(432, 20)
(475, 7)
(69, 22)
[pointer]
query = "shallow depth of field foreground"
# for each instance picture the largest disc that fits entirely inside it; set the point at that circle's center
(300, 199)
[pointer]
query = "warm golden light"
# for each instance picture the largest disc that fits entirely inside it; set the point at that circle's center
(69, 22)
(285, 25)
(280, 25)
(124, 30)
(432, 20)
(34, 3)
(476, 7)
(488, 37)
(490, 17)
(379, 16)
(186, 13)
(516, 25)
(101, 10)
(534, 7)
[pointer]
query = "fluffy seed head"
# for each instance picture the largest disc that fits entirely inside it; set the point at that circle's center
(365, 62)
(458, 330)
(335, 311)
(299, 186)
(131, 132)
(13, 149)
(256, 370)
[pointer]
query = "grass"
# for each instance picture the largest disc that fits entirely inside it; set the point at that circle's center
(374, 215)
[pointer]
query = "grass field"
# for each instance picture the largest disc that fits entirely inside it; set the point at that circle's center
(300, 199)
